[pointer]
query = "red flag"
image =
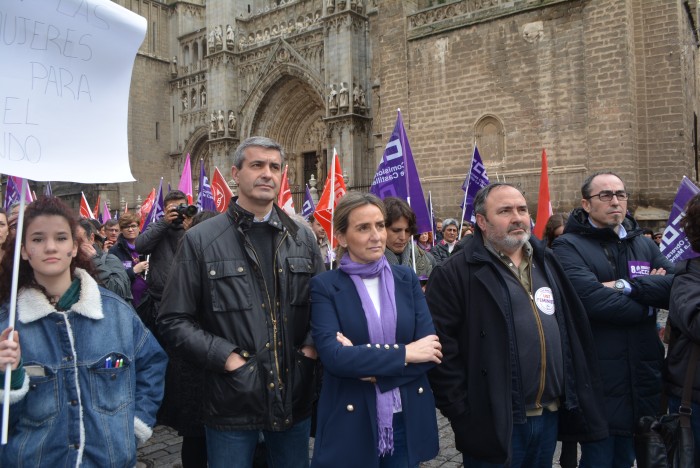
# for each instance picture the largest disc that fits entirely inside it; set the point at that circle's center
(146, 207)
(221, 191)
(126, 207)
(85, 210)
(329, 199)
(284, 197)
(544, 205)
(96, 211)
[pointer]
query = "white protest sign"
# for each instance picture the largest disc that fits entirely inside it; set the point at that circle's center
(65, 71)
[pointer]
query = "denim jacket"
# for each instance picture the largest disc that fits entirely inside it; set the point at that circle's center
(94, 381)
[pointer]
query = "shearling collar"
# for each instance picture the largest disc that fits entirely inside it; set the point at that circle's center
(32, 305)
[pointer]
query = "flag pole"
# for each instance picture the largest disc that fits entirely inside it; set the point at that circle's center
(332, 199)
(13, 307)
(432, 218)
(408, 189)
(466, 191)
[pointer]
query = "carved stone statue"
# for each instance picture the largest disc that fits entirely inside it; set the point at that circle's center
(203, 96)
(220, 122)
(173, 67)
(231, 122)
(343, 97)
(333, 99)
(212, 125)
(218, 38)
(185, 101)
(210, 42)
(363, 98)
(194, 98)
(229, 37)
(330, 6)
(356, 96)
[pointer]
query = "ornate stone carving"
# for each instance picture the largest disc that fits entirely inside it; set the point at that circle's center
(229, 37)
(330, 6)
(220, 128)
(173, 67)
(333, 100)
(210, 42)
(232, 121)
(343, 97)
(185, 101)
(533, 32)
(218, 38)
(203, 96)
(212, 125)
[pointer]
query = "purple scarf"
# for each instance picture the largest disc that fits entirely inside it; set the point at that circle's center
(382, 329)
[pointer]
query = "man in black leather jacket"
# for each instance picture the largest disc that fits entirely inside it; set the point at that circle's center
(237, 304)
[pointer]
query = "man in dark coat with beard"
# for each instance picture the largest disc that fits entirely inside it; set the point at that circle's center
(620, 276)
(516, 373)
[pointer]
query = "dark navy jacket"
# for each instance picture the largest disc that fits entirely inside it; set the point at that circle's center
(346, 434)
(630, 354)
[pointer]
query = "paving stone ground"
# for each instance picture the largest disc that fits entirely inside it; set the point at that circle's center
(163, 449)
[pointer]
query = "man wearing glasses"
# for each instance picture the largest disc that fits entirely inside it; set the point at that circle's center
(621, 277)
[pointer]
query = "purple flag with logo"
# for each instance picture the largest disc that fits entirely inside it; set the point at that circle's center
(308, 208)
(205, 199)
(674, 243)
(475, 180)
(397, 175)
(11, 194)
(157, 210)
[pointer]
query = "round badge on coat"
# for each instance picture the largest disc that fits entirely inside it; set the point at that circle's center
(545, 300)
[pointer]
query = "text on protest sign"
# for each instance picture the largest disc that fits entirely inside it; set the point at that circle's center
(64, 88)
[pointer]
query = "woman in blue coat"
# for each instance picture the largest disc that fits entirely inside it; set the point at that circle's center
(376, 340)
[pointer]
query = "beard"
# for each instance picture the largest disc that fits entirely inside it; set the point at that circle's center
(507, 242)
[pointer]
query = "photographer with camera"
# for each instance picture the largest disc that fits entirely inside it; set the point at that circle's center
(160, 241)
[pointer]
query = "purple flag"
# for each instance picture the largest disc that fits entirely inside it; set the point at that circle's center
(105, 213)
(205, 199)
(674, 243)
(18, 184)
(397, 175)
(47, 190)
(157, 210)
(308, 208)
(11, 194)
(475, 180)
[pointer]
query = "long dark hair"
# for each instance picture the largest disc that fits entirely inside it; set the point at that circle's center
(44, 206)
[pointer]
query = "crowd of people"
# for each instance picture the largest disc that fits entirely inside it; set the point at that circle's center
(248, 332)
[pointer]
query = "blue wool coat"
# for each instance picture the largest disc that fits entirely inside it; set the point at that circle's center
(346, 434)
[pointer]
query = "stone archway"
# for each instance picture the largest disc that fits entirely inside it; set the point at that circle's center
(291, 112)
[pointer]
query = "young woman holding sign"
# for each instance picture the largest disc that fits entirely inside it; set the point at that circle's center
(89, 377)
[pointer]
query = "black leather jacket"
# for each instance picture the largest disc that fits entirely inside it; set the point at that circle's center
(213, 305)
(160, 240)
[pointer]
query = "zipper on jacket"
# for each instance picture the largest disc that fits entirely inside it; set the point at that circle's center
(271, 305)
(543, 345)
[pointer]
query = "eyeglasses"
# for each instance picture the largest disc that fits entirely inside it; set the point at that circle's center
(132, 226)
(607, 195)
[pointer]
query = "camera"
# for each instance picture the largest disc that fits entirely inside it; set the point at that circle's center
(183, 209)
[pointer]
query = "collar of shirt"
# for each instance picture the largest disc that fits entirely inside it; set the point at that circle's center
(518, 271)
(622, 232)
(264, 219)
